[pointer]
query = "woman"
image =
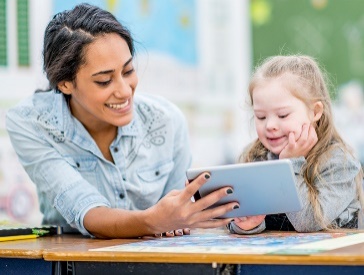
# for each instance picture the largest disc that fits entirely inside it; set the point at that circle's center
(105, 161)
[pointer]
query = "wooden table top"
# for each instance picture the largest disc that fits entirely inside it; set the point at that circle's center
(76, 248)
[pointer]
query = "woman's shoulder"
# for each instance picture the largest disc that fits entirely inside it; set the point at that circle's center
(38, 103)
(156, 104)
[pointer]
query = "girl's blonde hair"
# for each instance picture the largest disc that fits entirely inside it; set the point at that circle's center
(307, 82)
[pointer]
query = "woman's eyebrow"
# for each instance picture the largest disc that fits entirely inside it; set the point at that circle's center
(103, 72)
(127, 62)
(111, 71)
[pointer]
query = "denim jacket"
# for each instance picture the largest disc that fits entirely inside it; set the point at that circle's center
(151, 155)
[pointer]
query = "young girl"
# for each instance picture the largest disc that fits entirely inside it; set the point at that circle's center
(293, 119)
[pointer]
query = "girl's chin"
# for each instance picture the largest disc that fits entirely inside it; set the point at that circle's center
(276, 151)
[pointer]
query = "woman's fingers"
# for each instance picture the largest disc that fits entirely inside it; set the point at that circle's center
(214, 197)
(172, 233)
(169, 233)
(213, 223)
(193, 186)
(217, 211)
(201, 209)
(186, 231)
(181, 212)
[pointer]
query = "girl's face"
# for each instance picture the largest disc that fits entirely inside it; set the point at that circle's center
(102, 93)
(277, 113)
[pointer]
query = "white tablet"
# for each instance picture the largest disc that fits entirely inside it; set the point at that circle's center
(265, 187)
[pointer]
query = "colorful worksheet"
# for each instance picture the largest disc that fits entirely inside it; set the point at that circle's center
(275, 243)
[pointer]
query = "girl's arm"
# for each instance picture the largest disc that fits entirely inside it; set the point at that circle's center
(336, 196)
(247, 225)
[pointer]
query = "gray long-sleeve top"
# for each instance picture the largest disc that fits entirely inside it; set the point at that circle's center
(337, 194)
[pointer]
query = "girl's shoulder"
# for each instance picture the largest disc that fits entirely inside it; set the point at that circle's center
(339, 154)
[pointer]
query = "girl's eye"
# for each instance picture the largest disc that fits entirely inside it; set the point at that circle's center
(283, 116)
(103, 83)
(260, 117)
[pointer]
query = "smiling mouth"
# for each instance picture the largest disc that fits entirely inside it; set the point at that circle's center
(118, 106)
(274, 139)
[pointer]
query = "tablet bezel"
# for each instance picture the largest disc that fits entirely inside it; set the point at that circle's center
(261, 188)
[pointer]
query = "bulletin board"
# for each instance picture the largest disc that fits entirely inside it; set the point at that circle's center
(330, 30)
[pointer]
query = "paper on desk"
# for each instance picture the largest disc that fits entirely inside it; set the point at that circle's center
(277, 243)
(324, 245)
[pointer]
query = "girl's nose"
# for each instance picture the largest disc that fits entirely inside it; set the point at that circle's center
(271, 124)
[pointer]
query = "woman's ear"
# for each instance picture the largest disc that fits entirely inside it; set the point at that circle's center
(65, 87)
(318, 109)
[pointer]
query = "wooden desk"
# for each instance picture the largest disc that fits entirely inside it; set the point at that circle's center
(82, 261)
(69, 254)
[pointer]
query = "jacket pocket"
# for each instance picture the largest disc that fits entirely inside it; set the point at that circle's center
(82, 164)
(153, 181)
(153, 174)
(86, 166)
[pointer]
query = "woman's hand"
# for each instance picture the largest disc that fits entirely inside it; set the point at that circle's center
(248, 223)
(302, 146)
(177, 210)
(178, 232)
(172, 233)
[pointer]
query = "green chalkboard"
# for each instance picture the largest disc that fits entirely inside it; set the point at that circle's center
(332, 31)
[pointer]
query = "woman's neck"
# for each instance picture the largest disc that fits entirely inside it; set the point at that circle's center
(103, 140)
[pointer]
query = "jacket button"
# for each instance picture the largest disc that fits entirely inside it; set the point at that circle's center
(121, 195)
(116, 149)
(157, 173)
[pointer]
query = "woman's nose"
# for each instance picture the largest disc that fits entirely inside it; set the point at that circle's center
(122, 88)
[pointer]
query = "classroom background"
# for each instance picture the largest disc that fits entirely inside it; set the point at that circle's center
(199, 54)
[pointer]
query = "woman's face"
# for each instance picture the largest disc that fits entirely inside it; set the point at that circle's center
(102, 93)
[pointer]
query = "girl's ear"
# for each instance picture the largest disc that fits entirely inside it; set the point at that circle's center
(65, 87)
(318, 109)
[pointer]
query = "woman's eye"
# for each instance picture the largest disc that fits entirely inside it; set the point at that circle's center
(260, 117)
(129, 72)
(103, 83)
(283, 116)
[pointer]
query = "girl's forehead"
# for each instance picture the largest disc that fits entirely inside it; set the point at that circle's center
(287, 83)
(276, 94)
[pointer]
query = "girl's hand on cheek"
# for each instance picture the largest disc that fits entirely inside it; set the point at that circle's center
(302, 146)
(248, 223)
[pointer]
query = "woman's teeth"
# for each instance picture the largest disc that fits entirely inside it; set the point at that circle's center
(118, 106)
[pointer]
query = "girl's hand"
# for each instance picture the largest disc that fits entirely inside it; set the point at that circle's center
(177, 210)
(248, 223)
(302, 146)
